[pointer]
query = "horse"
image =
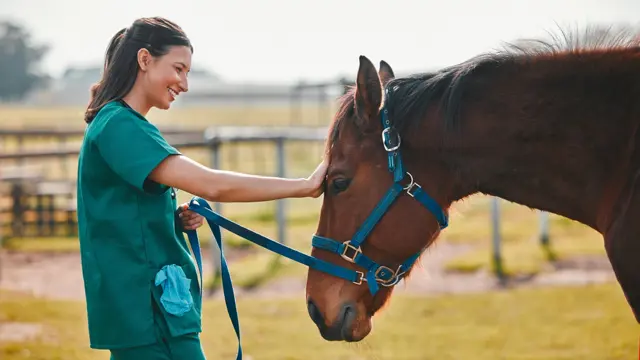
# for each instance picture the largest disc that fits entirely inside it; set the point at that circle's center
(548, 124)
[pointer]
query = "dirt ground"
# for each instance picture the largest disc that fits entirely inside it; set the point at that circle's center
(59, 276)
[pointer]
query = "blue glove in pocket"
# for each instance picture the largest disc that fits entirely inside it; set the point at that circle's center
(176, 297)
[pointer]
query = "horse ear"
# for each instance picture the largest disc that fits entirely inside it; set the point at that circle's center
(385, 72)
(368, 95)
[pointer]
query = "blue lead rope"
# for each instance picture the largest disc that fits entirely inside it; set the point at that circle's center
(215, 221)
(203, 208)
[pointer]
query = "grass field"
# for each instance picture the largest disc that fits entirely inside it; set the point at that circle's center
(589, 323)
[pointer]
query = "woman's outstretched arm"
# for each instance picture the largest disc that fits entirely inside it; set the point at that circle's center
(186, 174)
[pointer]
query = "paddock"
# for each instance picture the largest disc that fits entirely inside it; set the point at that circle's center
(488, 262)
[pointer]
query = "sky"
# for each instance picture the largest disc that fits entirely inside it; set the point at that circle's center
(292, 40)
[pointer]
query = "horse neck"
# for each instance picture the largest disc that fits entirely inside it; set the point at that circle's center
(556, 137)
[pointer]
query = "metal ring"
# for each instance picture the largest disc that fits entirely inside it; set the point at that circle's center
(411, 182)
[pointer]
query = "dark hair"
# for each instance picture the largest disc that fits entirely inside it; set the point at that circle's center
(155, 34)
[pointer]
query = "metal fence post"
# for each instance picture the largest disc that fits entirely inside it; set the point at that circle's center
(281, 204)
(496, 237)
(217, 207)
(544, 228)
(545, 238)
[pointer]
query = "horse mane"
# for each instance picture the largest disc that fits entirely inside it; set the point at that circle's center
(411, 96)
(346, 110)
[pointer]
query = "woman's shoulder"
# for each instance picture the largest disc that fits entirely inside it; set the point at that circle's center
(110, 110)
(116, 121)
(112, 114)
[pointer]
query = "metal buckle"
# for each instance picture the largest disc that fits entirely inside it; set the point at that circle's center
(360, 279)
(384, 140)
(356, 251)
(382, 268)
(391, 282)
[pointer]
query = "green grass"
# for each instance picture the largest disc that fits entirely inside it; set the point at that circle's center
(253, 271)
(584, 323)
(42, 244)
(521, 249)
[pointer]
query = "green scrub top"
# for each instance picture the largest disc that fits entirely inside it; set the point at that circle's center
(129, 231)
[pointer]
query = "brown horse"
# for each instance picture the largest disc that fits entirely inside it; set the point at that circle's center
(549, 125)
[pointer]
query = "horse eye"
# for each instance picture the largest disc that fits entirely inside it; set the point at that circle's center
(340, 184)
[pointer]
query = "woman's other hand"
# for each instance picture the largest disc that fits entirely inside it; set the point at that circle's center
(190, 220)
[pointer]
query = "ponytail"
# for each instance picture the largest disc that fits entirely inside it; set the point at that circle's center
(98, 94)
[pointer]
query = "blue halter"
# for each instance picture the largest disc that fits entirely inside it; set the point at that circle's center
(350, 250)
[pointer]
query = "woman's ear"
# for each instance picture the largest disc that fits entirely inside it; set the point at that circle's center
(144, 59)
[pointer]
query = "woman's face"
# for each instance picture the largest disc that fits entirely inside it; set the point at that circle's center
(165, 77)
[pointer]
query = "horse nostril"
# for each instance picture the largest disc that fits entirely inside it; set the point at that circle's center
(347, 312)
(347, 316)
(315, 314)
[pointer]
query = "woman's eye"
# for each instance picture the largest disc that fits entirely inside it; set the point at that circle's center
(339, 185)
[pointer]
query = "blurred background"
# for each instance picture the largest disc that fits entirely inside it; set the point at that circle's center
(502, 282)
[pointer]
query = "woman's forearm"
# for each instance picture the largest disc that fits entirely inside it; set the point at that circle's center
(225, 186)
(236, 187)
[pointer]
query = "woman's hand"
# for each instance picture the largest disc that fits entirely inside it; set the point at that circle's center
(190, 220)
(315, 182)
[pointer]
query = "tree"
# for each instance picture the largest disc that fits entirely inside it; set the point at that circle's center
(19, 59)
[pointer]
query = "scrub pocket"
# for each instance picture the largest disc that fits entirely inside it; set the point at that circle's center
(176, 297)
(172, 292)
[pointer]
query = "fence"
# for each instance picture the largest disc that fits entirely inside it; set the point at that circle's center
(214, 138)
(496, 238)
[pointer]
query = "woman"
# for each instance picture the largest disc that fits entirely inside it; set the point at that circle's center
(135, 259)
